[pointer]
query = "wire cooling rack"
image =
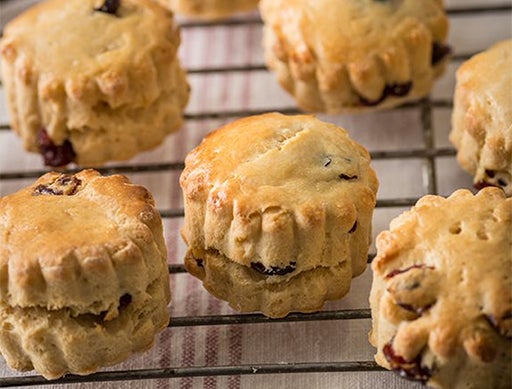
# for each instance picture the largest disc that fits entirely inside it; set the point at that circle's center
(430, 155)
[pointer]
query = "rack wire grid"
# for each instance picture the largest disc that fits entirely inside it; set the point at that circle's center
(411, 135)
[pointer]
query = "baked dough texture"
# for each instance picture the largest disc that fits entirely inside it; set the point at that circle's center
(83, 273)
(89, 86)
(482, 116)
(355, 55)
(441, 297)
(278, 213)
(210, 9)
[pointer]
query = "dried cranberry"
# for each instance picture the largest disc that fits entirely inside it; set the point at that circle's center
(411, 370)
(439, 51)
(482, 184)
(490, 173)
(125, 300)
(400, 271)
(399, 89)
(54, 155)
(109, 7)
(65, 184)
(347, 177)
(199, 262)
(396, 89)
(273, 270)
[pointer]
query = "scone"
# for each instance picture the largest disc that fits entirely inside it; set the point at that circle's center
(355, 55)
(83, 273)
(441, 297)
(89, 81)
(482, 117)
(210, 9)
(278, 213)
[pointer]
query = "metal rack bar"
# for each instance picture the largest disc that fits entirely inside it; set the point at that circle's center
(201, 371)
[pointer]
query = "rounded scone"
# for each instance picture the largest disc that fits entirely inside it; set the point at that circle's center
(355, 55)
(89, 82)
(210, 9)
(278, 213)
(482, 116)
(83, 273)
(441, 297)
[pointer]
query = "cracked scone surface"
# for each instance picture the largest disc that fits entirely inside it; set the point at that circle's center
(482, 116)
(90, 86)
(441, 297)
(355, 55)
(278, 212)
(83, 271)
(210, 9)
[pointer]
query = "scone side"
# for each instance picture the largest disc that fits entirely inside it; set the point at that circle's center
(482, 118)
(55, 343)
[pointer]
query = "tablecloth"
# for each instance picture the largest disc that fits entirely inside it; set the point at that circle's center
(228, 80)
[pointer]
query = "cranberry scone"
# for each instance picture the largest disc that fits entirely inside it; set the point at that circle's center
(355, 55)
(278, 213)
(90, 81)
(441, 297)
(83, 273)
(482, 116)
(210, 9)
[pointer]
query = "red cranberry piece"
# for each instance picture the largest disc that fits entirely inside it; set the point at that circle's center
(399, 89)
(65, 184)
(344, 176)
(396, 89)
(482, 184)
(400, 271)
(54, 155)
(439, 51)
(411, 370)
(273, 270)
(125, 300)
(109, 7)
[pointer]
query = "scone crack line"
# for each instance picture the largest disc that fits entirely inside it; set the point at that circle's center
(279, 145)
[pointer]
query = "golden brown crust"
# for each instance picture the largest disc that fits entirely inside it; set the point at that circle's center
(112, 85)
(210, 9)
(441, 297)
(78, 249)
(354, 55)
(281, 195)
(482, 116)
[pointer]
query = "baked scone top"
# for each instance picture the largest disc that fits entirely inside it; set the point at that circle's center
(446, 265)
(79, 242)
(347, 31)
(91, 54)
(260, 182)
